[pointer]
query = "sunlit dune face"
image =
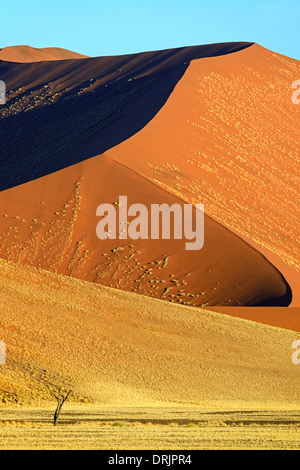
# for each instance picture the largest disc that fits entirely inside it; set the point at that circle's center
(228, 138)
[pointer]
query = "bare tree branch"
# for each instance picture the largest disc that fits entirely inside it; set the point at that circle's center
(60, 401)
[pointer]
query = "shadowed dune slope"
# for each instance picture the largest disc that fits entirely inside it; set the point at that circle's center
(33, 54)
(51, 223)
(228, 138)
(61, 112)
(121, 348)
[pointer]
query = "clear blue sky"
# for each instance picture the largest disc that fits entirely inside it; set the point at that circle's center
(112, 27)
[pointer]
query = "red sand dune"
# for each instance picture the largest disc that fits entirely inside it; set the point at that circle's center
(51, 223)
(33, 54)
(198, 132)
(228, 138)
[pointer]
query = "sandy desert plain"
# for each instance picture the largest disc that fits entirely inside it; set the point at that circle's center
(163, 348)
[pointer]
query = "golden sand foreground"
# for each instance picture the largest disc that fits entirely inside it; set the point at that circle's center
(116, 347)
(145, 374)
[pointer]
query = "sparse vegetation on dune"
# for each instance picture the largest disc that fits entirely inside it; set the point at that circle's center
(116, 347)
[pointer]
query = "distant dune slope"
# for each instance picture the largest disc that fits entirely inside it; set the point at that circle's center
(33, 54)
(51, 223)
(121, 348)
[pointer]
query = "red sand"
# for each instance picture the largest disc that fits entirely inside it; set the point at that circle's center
(51, 223)
(228, 137)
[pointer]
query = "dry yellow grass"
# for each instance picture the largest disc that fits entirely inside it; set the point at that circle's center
(94, 427)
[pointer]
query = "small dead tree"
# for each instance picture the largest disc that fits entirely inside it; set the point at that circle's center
(61, 398)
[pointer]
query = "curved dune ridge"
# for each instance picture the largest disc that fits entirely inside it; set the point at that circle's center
(33, 54)
(51, 223)
(116, 347)
(56, 109)
(165, 128)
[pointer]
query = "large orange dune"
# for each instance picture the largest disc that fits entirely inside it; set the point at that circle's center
(211, 124)
(194, 348)
(281, 317)
(228, 138)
